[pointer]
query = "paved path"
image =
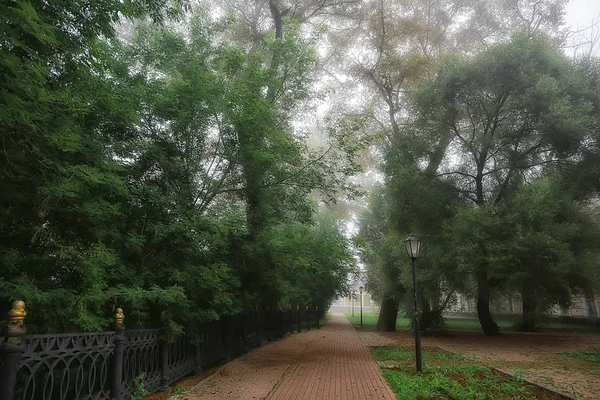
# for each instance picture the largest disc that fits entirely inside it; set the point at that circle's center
(329, 363)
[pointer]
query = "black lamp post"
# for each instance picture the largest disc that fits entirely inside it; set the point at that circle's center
(360, 290)
(413, 247)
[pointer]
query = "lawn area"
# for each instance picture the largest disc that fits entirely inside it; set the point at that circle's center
(370, 319)
(584, 356)
(448, 375)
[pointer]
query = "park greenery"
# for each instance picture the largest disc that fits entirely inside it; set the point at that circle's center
(149, 162)
(489, 156)
(448, 375)
(186, 160)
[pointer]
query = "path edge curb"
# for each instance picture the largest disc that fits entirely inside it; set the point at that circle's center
(506, 373)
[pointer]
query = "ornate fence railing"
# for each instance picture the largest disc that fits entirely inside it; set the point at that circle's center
(110, 365)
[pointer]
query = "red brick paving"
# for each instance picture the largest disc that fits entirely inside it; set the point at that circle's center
(336, 365)
(329, 364)
(254, 375)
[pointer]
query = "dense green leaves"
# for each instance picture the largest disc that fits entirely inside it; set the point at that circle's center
(159, 174)
(480, 173)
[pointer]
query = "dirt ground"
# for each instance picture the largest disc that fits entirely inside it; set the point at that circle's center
(535, 356)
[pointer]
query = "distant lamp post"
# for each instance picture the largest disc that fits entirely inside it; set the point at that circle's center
(352, 295)
(360, 289)
(413, 248)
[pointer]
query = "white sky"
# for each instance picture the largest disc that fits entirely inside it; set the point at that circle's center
(581, 12)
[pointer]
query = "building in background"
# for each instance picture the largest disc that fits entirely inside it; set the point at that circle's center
(345, 304)
(581, 306)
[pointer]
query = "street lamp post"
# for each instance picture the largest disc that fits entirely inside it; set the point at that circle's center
(361, 290)
(413, 247)
(352, 294)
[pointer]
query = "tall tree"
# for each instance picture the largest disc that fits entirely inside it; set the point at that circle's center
(505, 114)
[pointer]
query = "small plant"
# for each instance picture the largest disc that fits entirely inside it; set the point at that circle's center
(179, 390)
(519, 374)
(140, 388)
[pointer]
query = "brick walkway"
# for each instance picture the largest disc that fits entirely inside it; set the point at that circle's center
(330, 363)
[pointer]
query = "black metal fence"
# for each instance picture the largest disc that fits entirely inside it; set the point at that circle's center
(110, 365)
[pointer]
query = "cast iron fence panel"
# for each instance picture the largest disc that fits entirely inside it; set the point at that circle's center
(252, 331)
(210, 344)
(65, 366)
(181, 358)
(141, 355)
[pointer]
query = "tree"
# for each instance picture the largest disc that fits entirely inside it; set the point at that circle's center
(317, 253)
(60, 192)
(404, 41)
(506, 114)
(553, 248)
(381, 251)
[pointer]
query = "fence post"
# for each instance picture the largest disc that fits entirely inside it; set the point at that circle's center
(11, 350)
(317, 316)
(198, 362)
(225, 337)
(298, 318)
(163, 349)
(307, 320)
(280, 318)
(260, 331)
(246, 330)
(116, 379)
(268, 327)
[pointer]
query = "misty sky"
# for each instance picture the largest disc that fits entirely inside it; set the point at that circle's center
(581, 12)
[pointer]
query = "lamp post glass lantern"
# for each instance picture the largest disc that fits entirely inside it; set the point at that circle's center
(361, 291)
(413, 248)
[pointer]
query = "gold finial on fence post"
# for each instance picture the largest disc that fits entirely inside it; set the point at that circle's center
(16, 329)
(119, 316)
(17, 315)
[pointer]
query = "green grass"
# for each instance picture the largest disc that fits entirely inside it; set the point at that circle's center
(446, 375)
(468, 323)
(591, 357)
(179, 390)
(370, 319)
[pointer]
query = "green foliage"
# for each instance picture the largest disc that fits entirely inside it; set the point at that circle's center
(319, 254)
(590, 357)
(156, 174)
(447, 374)
(478, 174)
(140, 391)
(179, 390)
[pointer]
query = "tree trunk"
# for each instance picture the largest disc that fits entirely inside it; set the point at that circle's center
(528, 319)
(387, 315)
(483, 306)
